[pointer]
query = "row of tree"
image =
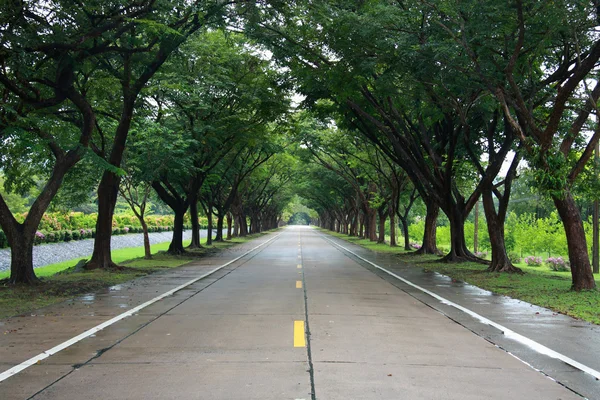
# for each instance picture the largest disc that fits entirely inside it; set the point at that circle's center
(134, 96)
(451, 92)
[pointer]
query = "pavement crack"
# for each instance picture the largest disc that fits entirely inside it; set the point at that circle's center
(311, 369)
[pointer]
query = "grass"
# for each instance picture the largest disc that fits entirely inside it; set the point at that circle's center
(367, 244)
(63, 281)
(539, 285)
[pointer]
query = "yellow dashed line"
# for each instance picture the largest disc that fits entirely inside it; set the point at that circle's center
(299, 339)
(299, 266)
(298, 284)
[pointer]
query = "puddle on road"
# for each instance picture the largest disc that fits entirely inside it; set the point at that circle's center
(89, 298)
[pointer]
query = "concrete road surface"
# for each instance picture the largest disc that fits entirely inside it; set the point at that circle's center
(296, 319)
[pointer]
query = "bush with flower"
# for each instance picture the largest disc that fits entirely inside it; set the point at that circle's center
(558, 264)
(415, 246)
(533, 261)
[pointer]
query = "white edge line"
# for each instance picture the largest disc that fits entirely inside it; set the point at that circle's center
(538, 347)
(34, 360)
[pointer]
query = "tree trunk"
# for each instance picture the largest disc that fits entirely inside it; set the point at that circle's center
(429, 245)
(147, 250)
(500, 261)
(392, 215)
(21, 259)
(107, 199)
(220, 218)
(581, 271)
(382, 218)
(229, 222)
(195, 243)
(176, 246)
(458, 245)
(405, 233)
(21, 236)
(353, 231)
(243, 226)
(361, 226)
(209, 228)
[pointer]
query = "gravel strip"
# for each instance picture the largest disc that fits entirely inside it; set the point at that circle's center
(51, 253)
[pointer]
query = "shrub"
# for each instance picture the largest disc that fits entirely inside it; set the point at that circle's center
(126, 230)
(39, 237)
(67, 236)
(116, 231)
(51, 237)
(533, 261)
(558, 264)
(75, 235)
(415, 246)
(480, 254)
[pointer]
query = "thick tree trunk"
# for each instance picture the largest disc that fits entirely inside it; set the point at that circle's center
(21, 259)
(458, 245)
(176, 246)
(370, 224)
(243, 226)
(220, 219)
(429, 245)
(581, 271)
(195, 243)
(108, 190)
(229, 222)
(500, 261)
(107, 199)
(392, 214)
(236, 225)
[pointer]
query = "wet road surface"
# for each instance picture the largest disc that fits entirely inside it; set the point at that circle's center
(298, 318)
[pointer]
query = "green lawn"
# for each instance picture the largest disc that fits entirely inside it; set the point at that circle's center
(538, 285)
(61, 281)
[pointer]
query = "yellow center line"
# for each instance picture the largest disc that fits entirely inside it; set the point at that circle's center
(299, 339)
(299, 266)
(298, 284)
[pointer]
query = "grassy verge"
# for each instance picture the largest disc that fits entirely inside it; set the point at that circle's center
(538, 285)
(62, 281)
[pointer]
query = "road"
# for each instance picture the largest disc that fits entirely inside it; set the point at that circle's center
(297, 318)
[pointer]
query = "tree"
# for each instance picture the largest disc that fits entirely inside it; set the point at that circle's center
(539, 63)
(47, 68)
(138, 54)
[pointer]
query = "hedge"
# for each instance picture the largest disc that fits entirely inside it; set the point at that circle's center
(55, 236)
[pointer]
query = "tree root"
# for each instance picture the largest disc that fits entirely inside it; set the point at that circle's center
(507, 268)
(454, 258)
(92, 265)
